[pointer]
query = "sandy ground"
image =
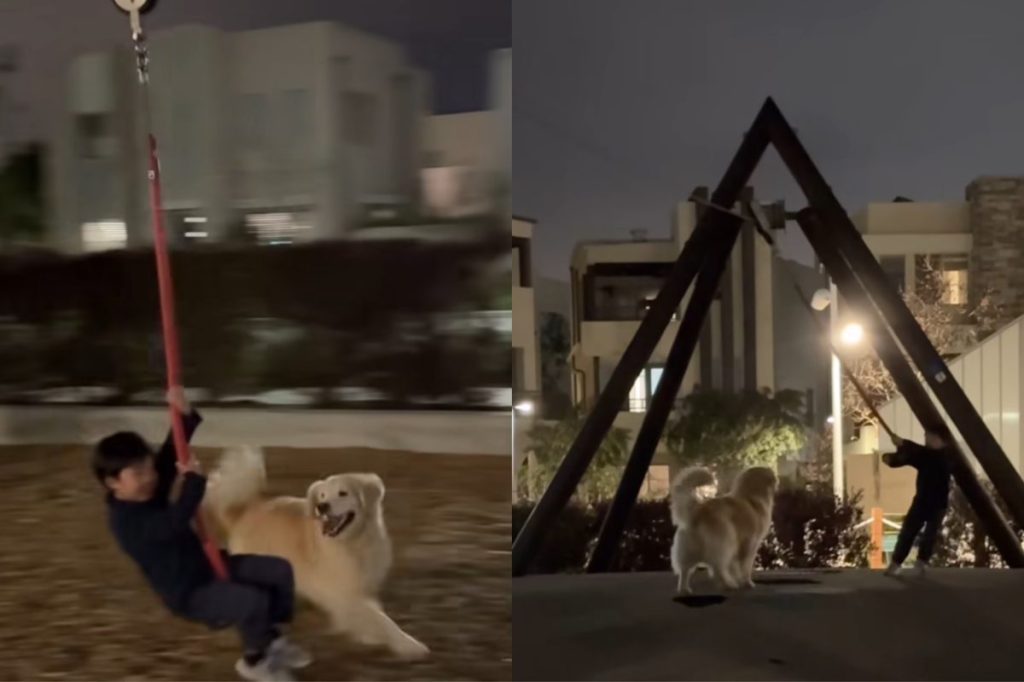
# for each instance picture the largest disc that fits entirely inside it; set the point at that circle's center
(73, 608)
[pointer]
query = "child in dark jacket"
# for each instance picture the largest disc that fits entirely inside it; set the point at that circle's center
(933, 462)
(153, 525)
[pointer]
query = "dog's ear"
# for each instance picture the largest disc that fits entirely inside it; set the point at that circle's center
(311, 497)
(371, 488)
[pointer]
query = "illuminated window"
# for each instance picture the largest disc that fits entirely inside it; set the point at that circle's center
(104, 235)
(279, 228)
(643, 389)
(950, 276)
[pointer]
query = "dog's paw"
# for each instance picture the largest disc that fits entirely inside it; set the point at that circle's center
(410, 649)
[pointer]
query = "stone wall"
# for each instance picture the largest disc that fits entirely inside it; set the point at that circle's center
(997, 255)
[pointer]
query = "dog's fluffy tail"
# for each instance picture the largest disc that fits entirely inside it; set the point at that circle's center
(237, 481)
(684, 493)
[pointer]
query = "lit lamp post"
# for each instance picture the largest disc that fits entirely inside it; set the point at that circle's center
(850, 335)
(524, 407)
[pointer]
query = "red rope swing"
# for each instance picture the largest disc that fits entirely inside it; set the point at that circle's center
(163, 271)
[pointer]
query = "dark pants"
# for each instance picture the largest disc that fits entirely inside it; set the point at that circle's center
(260, 595)
(923, 514)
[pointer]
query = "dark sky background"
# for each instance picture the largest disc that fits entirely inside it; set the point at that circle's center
(450, 38)
(622, 108)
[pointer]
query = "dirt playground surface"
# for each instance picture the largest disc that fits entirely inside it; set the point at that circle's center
(73, 608)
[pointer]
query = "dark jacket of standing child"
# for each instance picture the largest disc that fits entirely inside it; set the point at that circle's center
(933, 462)
(933, 465)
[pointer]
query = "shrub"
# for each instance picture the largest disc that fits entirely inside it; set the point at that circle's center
(548, 443)
(962, 544)
(811, 529)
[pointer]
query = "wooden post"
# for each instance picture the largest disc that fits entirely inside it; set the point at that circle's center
(877, 557)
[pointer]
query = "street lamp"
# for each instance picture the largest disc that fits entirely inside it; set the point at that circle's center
(851, 335)
(523, 407)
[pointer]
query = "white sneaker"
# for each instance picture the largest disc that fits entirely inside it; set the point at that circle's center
(918, 570)
(267, 670)
(892, 570)
(288, 654)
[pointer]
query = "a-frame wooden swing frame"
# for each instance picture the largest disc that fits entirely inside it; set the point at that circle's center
(864, 288)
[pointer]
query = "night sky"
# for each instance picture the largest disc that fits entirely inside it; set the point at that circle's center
(450, 38)
(621, 109)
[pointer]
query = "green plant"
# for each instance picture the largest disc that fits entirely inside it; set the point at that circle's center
(811, 529)
(554, 354)
(731, 431)
(549, 441)
(962, 543)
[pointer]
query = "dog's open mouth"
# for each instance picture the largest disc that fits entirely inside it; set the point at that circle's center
(334, 525)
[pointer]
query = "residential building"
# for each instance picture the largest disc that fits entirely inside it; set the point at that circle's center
(281, 134)
(754, 338)
(975, 244)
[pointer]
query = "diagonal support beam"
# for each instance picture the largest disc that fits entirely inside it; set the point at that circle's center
(637, 354)
(664, 398)
(850, 243)
(992, 521)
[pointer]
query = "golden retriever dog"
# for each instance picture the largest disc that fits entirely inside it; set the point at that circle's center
(335, 539)
(720, 533)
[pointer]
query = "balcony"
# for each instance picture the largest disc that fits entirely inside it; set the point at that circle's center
(609, 338)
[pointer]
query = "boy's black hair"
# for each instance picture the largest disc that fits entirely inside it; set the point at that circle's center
(117, 452)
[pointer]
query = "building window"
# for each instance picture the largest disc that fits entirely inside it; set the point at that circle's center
(94, 136)
(104, 235)
(643, 389)
(280, 228)
(943, 277)
(296, 120)
(895, 268)
(656, 482)
(360, 118)
(252, 123)
(623, 297)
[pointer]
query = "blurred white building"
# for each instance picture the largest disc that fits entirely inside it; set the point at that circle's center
(467, 159)
(286, 133)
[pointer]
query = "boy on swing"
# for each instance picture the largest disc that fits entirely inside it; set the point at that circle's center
(152, 500)
(933, 462)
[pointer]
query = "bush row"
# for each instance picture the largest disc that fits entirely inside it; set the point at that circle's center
(811, 529)
(367, 314)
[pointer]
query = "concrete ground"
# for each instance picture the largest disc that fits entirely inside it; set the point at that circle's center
(954, 624)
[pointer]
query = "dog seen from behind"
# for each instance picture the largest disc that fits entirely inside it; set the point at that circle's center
(720, 533)
(334, 538)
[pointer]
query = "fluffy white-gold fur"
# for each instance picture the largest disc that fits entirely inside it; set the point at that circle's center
(720, 533)
(335, 539)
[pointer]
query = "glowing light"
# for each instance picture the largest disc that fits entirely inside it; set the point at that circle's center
(104, 235)
(525, 407)
(195, 219)
(852, 334)
(197, 235)
(830, 420)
